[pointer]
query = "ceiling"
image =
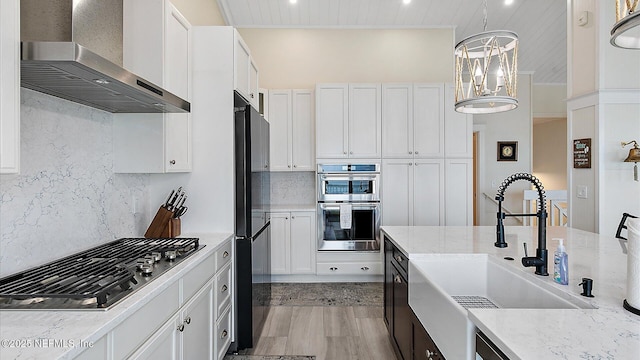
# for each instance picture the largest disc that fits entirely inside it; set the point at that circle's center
(541, 25)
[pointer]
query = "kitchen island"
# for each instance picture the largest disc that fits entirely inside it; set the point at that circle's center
(605, 332)
(92, 334)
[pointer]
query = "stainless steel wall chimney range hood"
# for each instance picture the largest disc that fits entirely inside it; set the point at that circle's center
(72, 49)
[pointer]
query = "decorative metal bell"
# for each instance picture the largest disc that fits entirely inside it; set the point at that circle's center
(634, 157)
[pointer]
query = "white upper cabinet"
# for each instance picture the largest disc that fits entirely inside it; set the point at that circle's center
(428, 119)
(365, 121)
(245, 78)
(157, 46)
(291, 114)
(348, 121)
(458, 128)
(9, 86)
(397, 120)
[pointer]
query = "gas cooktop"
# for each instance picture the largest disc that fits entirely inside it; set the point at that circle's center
(96, 278)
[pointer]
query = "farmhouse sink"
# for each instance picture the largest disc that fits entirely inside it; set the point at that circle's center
(443, 286)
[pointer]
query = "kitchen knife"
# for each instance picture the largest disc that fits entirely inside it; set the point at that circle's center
(166, 202)
(172, 202)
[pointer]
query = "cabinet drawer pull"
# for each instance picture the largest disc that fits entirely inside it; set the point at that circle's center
(224, 288)
(181, 327)
(333, 268)
(225, 254)
(398, 279)
(295, 166)
(365, 268)
(399, 258)
(188, 320)
(172, 162)
(430, 354)
(288, 166)
(224, 334)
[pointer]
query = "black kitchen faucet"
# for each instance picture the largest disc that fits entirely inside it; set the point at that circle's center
(540, 260)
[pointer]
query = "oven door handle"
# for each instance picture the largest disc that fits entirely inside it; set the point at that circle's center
(354, 206)
(338, 177)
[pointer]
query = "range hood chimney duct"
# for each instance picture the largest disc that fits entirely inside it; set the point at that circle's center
(72, 49)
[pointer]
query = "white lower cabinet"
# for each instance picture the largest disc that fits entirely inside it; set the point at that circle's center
(293, 245)
(349, 263)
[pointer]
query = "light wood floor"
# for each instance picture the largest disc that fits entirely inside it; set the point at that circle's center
(328, 332)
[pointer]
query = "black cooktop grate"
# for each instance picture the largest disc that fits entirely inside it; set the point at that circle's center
(104, 273)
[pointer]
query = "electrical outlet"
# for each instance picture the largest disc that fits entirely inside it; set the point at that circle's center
(134, 204)
(581, 192)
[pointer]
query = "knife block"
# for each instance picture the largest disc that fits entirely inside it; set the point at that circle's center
(160, 224)
(173, 228)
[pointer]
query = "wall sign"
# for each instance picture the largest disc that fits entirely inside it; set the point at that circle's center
(507, 151)
(582, 154)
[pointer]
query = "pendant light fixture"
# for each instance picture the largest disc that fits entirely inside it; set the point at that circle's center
(626, 31)
(486, 71)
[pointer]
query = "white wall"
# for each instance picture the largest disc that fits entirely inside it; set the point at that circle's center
(200, 12)
(66, 198)
(549, 100)
(300, 58)
(514, 125)
(604, 105)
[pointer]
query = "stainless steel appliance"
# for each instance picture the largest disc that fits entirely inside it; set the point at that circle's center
(348, 207)
(97, 278)
(253, 269)
(64, 54)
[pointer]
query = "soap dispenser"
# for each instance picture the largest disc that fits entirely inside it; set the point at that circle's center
(561, 264)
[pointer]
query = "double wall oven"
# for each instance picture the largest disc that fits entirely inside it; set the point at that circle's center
(348, 207)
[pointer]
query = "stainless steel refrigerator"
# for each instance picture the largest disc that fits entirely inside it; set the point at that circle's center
(253, 250)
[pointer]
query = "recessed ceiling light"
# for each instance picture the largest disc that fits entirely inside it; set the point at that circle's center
(508, 2)
(293, 1)
(406, 1)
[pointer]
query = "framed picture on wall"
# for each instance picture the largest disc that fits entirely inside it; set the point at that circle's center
(507, 151)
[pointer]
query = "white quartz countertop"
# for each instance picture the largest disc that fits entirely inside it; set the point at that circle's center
(63, 334)
(290, 208)
(607, 332)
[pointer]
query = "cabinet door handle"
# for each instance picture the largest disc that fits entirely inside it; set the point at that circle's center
(172, 162)
(333, 268)
(251, 95)
(365, 268)
(416, 153)
(398, 279)
(344, 152)
(399, 258)
(351, 152)
(410, 152)
(289, 166)
(181, 327)
(225, 254)
(430, 354)
(188, 320)
(224, 334)
(224, 288)
(295, 166)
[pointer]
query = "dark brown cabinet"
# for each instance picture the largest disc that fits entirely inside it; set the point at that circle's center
(409, 338)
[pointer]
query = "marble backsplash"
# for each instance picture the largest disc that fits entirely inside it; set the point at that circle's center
(66, 198)
(293, 188)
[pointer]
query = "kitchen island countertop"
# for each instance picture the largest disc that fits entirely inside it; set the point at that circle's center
(64, 334)
(607, 332)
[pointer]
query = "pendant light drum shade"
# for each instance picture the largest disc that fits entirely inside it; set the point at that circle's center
(626, 31)
(486, 72)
